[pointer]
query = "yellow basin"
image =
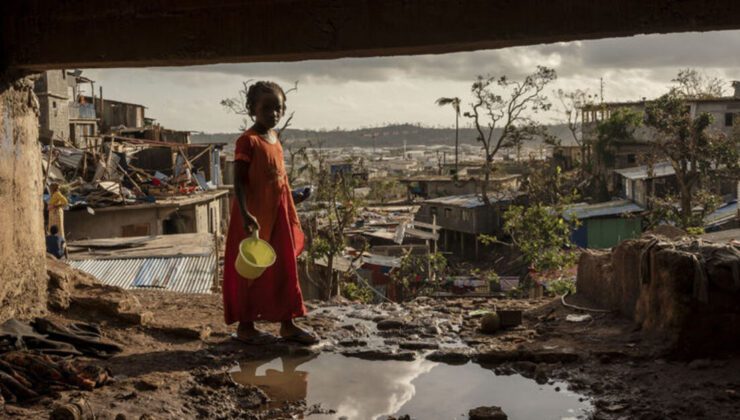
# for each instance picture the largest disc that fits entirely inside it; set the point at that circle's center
(255, 255)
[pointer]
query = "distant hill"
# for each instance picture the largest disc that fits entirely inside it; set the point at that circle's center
(388, 136)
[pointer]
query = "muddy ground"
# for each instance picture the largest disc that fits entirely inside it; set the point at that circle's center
(177, 352)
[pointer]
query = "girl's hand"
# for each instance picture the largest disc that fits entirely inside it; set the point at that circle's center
(250, 224)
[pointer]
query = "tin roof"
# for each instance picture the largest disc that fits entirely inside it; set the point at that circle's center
(723, 214)
(609, 208)
(641, 172)
(469, 201)
(174, 274)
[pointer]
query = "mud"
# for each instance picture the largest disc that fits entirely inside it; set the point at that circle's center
(171, 369)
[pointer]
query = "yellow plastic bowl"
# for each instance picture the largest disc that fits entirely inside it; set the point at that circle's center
(255, 256)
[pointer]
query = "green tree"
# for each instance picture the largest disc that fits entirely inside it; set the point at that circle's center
(619, 127)
(336, 209)
(696, 153)
(502, 111)
(384, 190)
(540, 230)
(415, 272)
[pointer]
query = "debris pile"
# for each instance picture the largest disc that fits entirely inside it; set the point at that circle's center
(38, 358)
(120, 171)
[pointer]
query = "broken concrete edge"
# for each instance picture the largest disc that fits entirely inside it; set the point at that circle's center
(681, 292)
(22, 289)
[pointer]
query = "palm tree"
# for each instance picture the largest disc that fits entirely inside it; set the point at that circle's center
(455, 102)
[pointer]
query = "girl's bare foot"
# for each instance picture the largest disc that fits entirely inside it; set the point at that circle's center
(290, 331)
(247, 333)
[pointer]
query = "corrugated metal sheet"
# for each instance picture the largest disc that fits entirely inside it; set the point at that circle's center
(610, 208)
(606, 233)
(69, 158)
(641, 172)
(724, 213)
(469, 201)
(175, 274)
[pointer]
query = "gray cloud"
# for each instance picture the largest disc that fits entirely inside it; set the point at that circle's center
(712, 49)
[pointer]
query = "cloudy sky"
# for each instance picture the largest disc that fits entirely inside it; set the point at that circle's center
(362, 92)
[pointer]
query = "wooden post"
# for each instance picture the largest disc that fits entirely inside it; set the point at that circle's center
(217, 253)
(462, 244)
(477, 256)
(434, 232)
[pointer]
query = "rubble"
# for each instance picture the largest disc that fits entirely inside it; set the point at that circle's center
(105, 175)
(487, 413)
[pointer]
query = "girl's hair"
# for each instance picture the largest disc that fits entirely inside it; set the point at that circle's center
(257, 89)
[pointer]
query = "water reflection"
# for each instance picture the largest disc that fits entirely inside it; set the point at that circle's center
(362, 389)
(282, 383)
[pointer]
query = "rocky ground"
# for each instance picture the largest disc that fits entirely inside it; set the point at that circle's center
(177, 352)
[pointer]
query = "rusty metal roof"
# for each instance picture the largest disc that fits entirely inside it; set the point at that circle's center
(175, 274)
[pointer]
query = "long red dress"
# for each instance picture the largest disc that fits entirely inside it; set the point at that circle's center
(276, 294)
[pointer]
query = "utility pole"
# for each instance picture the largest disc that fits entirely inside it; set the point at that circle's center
(457, 129)
(601, 89)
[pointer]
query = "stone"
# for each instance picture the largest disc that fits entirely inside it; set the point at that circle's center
(186, 332)
(353, 342)
(148, 384)
(390, 324)
(450, 357)
(380, 354)
(490, 323)
(540, 374)
(510, 318)
(524, 368)
(418, 345)
(487, 413)
(78, 409)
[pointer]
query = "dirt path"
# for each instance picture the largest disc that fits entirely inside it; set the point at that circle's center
(177, 352)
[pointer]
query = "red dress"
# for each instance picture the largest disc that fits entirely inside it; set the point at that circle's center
(276, 294)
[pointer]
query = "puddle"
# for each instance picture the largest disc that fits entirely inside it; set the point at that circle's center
(362, 389)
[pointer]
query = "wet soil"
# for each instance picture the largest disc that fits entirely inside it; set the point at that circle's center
(179, 355)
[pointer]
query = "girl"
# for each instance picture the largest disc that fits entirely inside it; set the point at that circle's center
(263, 202)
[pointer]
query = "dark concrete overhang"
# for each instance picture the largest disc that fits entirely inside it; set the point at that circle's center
(44, 34)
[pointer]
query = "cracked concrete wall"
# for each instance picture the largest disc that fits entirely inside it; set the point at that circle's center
(22, 248)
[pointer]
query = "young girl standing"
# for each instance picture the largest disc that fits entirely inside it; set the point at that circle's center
(263, 202)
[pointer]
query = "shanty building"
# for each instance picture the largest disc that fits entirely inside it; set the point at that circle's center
(724, 111)
(116, 114)
(65, 115)
(52, 93)
(641, 182)
(604, 225)
(196, 213)
(435, 186)
(462, 218)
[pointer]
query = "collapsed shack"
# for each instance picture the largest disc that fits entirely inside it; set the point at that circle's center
(685, 291)
(121, 171)
(161, 187)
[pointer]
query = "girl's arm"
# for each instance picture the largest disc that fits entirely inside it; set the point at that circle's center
(241, 172)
